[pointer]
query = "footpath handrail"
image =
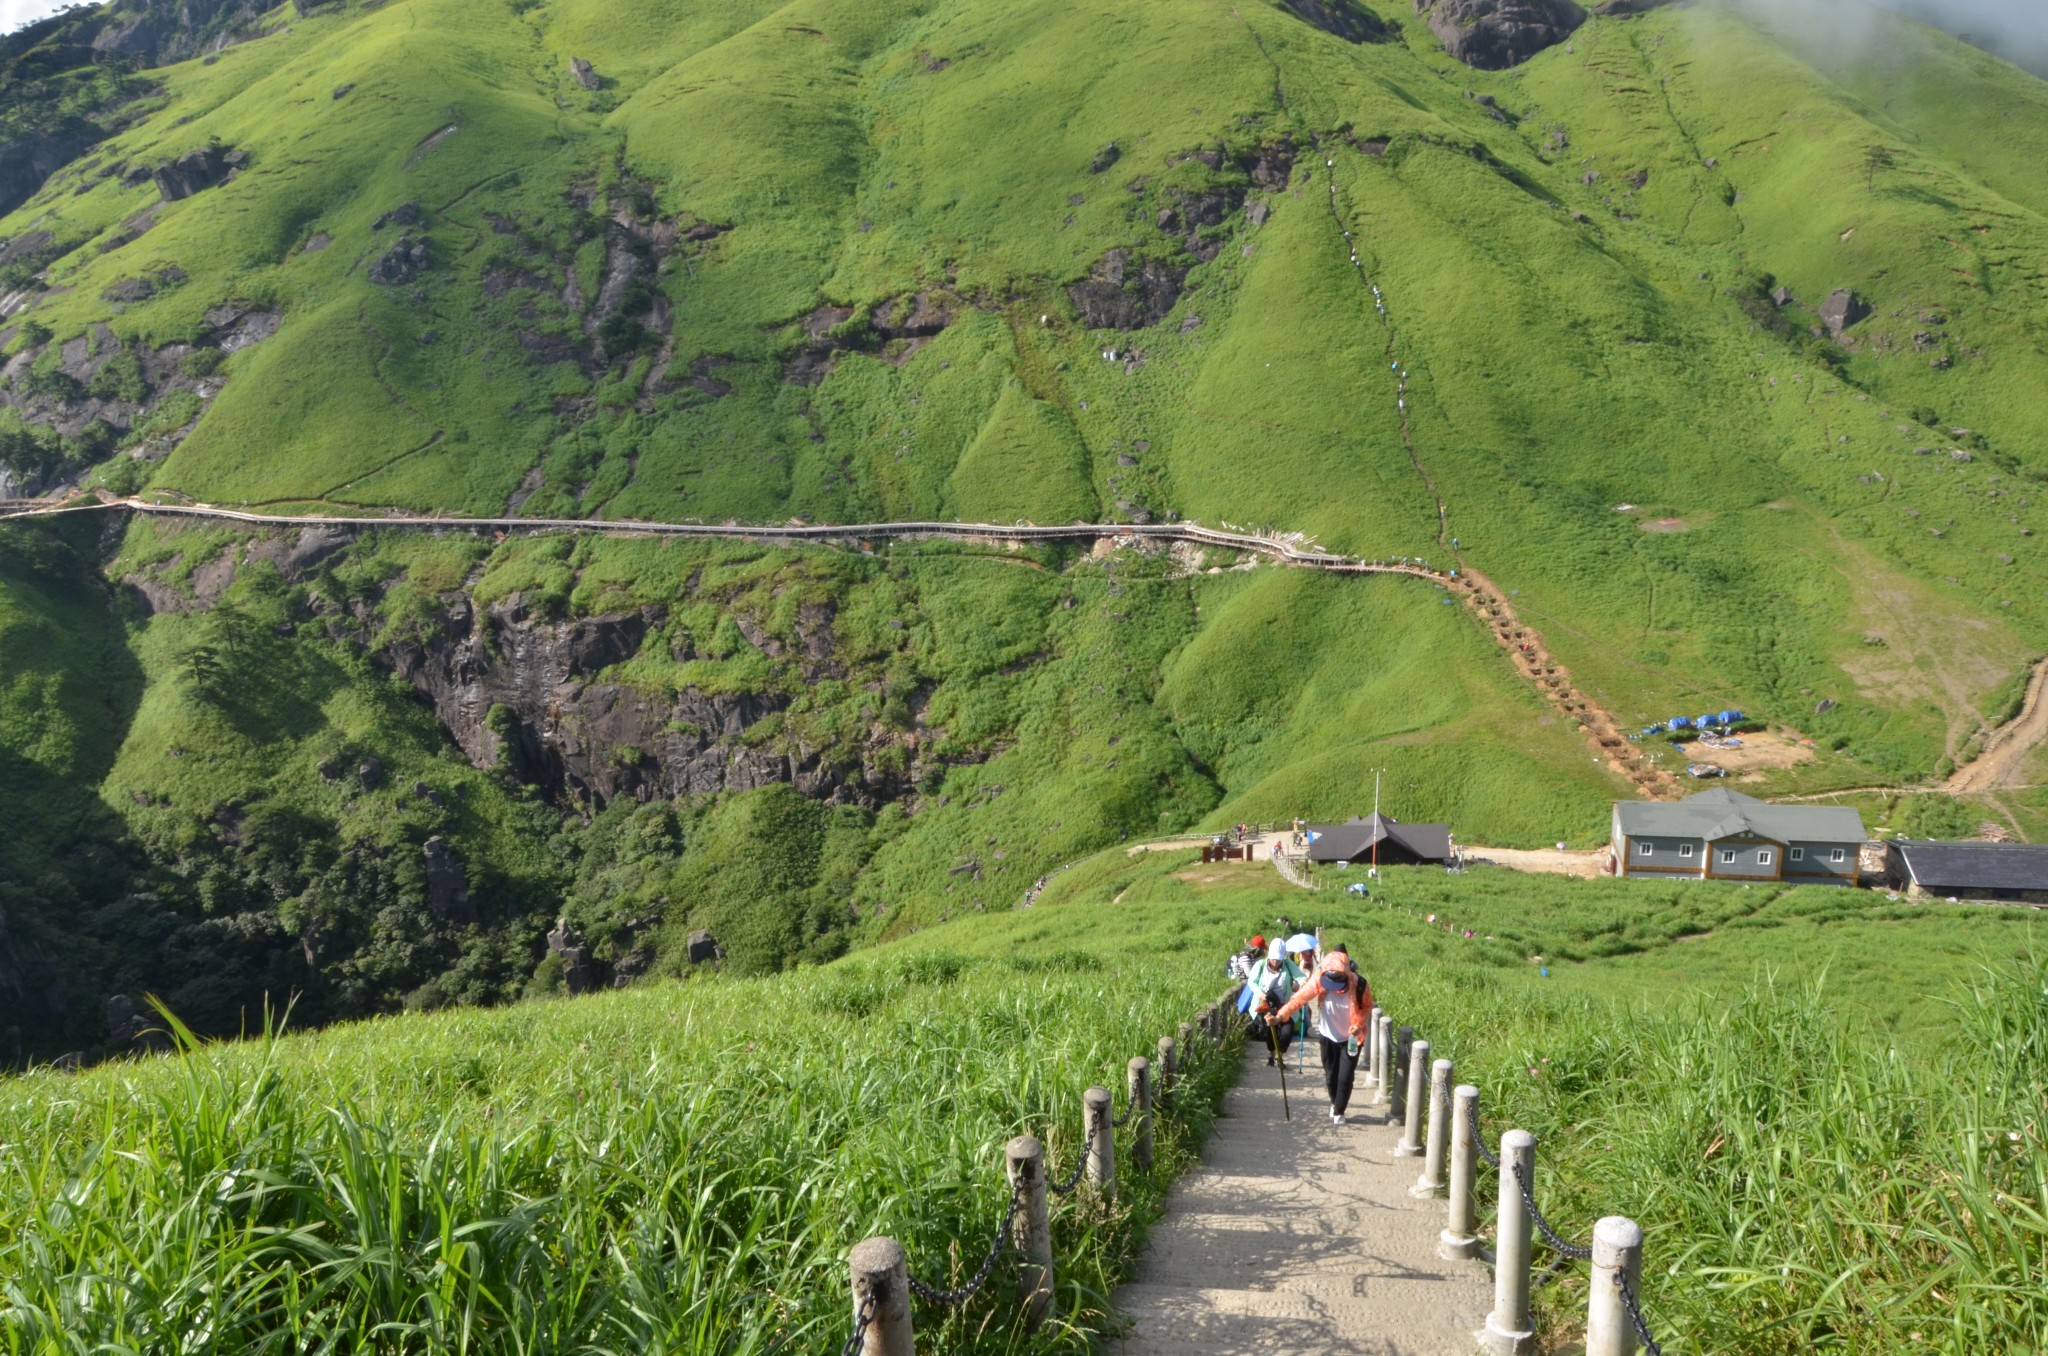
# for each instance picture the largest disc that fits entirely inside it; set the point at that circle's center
(1614, 1315)
(879, 1273)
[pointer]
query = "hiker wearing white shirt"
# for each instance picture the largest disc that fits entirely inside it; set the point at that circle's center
(1342, 1002)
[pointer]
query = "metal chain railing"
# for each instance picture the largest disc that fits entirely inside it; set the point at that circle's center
(1567, 1251)
(1550, 1235)
(1080, 1166)
(1635, 1315)
(1486, 1155)
(949, 1299)
(1119, 1122)
(865, 1316)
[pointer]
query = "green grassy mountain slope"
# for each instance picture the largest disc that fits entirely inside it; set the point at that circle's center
(1721, 356)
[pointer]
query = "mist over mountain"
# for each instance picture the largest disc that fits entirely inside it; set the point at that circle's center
(2014, 29)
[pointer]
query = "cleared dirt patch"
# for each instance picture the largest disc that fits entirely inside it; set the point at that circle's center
(1758, 752)
(1544, 861)
(1667, 525)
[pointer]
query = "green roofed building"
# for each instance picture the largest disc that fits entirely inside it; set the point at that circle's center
(1725, 835)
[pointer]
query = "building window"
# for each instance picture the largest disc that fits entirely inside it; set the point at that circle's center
(1763, 857)
(1839, 855)
(1798, 854)
(1643, 849)
(1685, 849)
(1727, 856)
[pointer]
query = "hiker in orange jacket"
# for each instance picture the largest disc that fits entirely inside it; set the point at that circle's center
(1342, 1002)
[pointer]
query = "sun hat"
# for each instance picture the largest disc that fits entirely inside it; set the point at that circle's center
(1277, 951)
(1258, 939)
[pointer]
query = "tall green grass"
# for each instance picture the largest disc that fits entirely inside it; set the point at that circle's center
(678, 1169)
(1807, 1183)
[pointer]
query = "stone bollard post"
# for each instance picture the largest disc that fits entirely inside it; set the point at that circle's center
(1095, 1116)
(1460, 1239)
(879, 1276)
(1139, 1072)
(1399, 1041)
(1166, 1072)
(1617, 1252)
(1187, 1038)
(1372, 1049)
(1031, 1233)
(1411, 1102)
(1431, 1183)
(1382, 1034)
(1509, 1331)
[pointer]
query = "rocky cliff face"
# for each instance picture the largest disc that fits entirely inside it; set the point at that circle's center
(25, 164)
(522, 692)
(1495, 34)
(163, 31)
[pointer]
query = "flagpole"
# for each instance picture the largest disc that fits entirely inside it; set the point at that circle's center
(1376, 825)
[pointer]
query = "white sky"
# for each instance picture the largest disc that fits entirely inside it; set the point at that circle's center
(15, 13)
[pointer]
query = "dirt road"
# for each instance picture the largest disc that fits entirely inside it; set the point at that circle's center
(2000, 765)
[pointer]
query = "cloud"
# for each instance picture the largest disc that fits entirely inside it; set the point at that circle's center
(21, 13)
(1847, 29)
(2015, 29)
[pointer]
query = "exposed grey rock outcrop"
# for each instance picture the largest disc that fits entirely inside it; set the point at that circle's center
(447, 882)
(195, 171)
(1842, 309)
(402, 263)
(525, 693)
(1121, 293)
(27, 163)
(579, 972)
(162, 31)
(1495, 34)
(405, 214)
(1346, 19)
(585, 76)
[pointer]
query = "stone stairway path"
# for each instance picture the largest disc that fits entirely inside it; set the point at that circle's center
(1301, 1238)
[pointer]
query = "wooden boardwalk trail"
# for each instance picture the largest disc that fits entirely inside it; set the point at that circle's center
(1301, 1238)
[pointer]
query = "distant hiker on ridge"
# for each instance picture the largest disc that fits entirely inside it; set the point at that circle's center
(1341, 999)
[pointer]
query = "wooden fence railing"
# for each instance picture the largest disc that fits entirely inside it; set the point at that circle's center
(878, 1268)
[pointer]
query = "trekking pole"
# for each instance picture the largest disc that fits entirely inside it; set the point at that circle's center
(1286, 1112)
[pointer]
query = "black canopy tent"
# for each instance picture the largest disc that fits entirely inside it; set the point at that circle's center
(1399, 844)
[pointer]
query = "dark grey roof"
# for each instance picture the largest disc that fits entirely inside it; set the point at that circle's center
(1975, 866)
(1721, 813)
(1353, 839)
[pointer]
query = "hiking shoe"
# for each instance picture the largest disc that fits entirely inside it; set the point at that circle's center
(1336, 1118)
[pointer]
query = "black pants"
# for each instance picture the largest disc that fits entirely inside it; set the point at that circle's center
(1280, 1035)
(1340, 1066)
